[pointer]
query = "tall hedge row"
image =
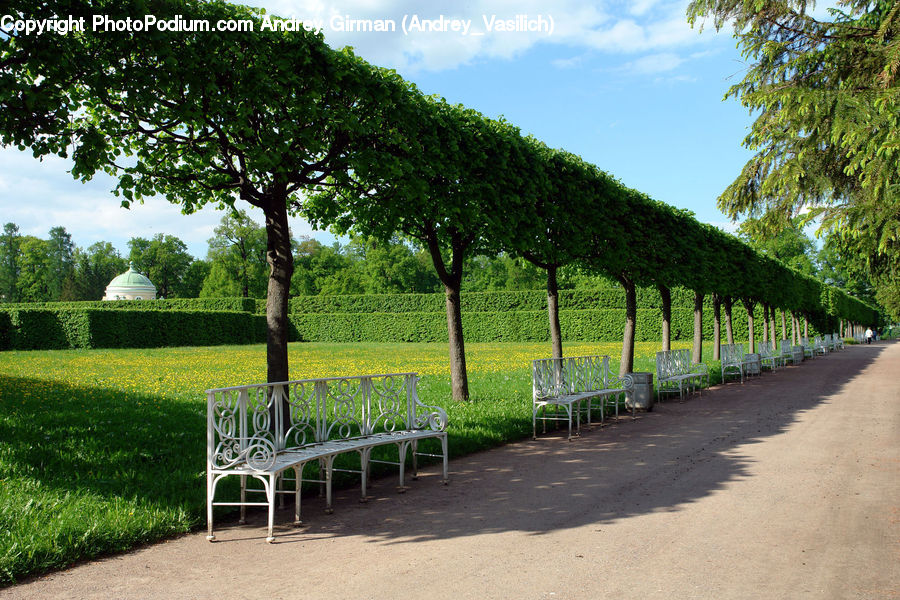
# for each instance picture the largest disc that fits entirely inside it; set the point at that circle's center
(46, 328)
(587, 315)
(202, 304)
(501, 301)
(507, 326)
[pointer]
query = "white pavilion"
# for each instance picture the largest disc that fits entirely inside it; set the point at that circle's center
(130, 285)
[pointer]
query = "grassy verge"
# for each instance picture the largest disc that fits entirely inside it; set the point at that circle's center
(101, 450)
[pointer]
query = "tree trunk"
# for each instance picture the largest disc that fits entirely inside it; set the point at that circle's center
(795, 330)
(697, 355)
(626, 364)
(665, 295)
(717, 327)
(783, 325)
(281, 269)
(752, 342)
(729, 332)
(765, 331)
(806, 327)
(452, 280)
(459, 379)
(553, 312)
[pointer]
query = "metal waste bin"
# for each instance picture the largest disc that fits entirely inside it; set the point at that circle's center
(641, 395)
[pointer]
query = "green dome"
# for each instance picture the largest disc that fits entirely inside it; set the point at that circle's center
(130, 278)
(130, 285)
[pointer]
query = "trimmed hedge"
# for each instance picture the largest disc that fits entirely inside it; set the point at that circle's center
(201, 304)
(512, 326)
(504, 301)
(5, 330)
(586, 315)
(44, 328)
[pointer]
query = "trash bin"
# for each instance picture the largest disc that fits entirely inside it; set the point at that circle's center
(641, 395)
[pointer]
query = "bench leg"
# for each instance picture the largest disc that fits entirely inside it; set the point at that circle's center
(298, 474)
(329, 467)
(364, 455)
(446, 479)
(243, 519)
(322, 469)
(401, 451)
(270, 492)
(210, 493)
(534, 423)
(415, 466)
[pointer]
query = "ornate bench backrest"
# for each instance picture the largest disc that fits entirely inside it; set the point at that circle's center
(732, 354)
(252, 423)
(666, 365)
(553, 377)
(682, 361)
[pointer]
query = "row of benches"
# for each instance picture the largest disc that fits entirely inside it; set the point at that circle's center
(736, 362)
(272, 432)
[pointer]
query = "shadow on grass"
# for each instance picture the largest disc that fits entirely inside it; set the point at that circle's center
(671, 457)
(105, 442)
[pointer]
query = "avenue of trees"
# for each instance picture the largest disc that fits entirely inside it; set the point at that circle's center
(282, 122)
(826, 98)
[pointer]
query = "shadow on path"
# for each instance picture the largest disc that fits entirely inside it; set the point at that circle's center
(673, 456)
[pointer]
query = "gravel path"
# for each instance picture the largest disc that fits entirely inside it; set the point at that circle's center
(785, 487)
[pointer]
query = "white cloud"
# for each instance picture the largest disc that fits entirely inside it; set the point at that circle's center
(568, 63)
(37, 195)
(641, 7)
(654, 63)
(646, 25)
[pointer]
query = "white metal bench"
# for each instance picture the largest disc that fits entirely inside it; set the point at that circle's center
(838, 341)
(570, 382)
(769, 355)
(263, 431)
(732, 356)
(674, 370)
(809, 351)
(820, 346)
(789, 353)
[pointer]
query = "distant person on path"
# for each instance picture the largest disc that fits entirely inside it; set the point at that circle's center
(869, 335)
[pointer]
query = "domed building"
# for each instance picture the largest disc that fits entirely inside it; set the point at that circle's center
(130, 285)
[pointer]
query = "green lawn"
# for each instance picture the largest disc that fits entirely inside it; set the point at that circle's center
(101, 450)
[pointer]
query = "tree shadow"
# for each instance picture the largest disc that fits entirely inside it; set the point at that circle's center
(106, 442)
(671, 457)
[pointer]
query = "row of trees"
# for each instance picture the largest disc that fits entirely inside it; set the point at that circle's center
(284, 123)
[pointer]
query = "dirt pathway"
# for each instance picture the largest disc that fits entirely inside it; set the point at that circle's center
(785, 487)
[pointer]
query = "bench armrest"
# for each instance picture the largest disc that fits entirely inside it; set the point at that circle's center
(427, 417)
(626, 382)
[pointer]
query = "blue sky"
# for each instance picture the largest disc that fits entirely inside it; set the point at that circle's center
(629, 86)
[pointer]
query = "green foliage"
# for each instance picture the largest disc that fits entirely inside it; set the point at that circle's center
(790, 245)
(827, 103)
(62, 328)
(163, 259)
(237, 254)
(95, 267)
(60, 261)
(10, 243)
(197, 304)
(6, 330)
